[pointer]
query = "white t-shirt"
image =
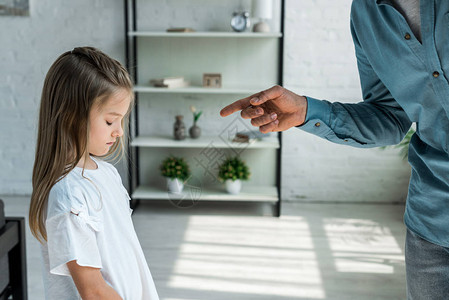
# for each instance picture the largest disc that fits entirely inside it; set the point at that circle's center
(100, 236)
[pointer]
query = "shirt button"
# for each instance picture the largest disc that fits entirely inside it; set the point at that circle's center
(407, 36)
(318, 124)
(436, 74)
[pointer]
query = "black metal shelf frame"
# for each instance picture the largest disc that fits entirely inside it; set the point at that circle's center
(130, 8)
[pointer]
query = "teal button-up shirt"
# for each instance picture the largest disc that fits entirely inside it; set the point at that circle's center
(403, 81)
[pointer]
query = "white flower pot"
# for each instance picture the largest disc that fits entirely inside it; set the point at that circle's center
(175, 185)
(233, 187)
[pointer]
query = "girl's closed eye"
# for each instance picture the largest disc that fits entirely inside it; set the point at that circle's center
(108, 123)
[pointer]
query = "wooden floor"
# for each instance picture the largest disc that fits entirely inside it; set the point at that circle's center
(219, 251)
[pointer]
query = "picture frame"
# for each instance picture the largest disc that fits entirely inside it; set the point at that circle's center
(14, 8)
(212, 80)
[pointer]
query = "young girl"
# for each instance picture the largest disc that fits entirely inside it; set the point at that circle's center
(79, 208)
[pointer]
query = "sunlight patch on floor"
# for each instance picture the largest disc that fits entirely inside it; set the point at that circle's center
(362, 246)
(256, 256)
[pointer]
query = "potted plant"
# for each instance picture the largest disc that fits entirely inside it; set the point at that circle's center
(195, 131)
(404, 144)
(232, 171)
(177, 171)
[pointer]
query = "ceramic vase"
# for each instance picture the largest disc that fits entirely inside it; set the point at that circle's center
(194, 131)
(233, 186)
(179, 129)
(175, 185)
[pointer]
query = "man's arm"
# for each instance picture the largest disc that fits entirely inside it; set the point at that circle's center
(90, 283)
(377, 121)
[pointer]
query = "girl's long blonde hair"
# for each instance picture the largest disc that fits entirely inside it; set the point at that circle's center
(76, 81)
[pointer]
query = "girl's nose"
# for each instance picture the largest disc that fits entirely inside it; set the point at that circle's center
(118, 132)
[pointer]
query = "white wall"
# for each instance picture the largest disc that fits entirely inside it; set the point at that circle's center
(28, 46)
(319, 61)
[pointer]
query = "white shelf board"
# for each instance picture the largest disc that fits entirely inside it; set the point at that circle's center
(196, 90)
(205, 34)
(202, 142)
(248, 193)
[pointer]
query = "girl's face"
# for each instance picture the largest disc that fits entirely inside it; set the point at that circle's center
(106, 123)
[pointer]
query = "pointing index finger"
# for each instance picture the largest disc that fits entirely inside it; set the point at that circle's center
(236, 106)
(256, 99)
(269, 94)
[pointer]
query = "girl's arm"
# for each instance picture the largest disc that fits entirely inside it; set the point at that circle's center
(90, 283)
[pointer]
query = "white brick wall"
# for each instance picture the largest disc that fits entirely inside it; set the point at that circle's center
(319, 61)
(28, 46)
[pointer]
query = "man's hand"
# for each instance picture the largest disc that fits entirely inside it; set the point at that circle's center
(275, 109)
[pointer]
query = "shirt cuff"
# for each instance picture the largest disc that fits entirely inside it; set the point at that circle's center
(317, 117)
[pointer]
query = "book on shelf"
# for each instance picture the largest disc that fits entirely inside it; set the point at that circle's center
(250, 136)
(180, 29)
(170, 82)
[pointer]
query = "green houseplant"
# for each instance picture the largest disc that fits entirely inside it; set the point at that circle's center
(177, 171)
(404, 144)
(232, 171)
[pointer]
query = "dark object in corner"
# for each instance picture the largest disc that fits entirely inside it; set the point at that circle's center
(13, 270)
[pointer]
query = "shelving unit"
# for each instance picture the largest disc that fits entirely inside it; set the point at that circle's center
(248, 193)
(201, 142)
(196, 90)
(249, 62)
(205, 34)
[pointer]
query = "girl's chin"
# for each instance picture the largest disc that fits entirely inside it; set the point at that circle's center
(100, 153)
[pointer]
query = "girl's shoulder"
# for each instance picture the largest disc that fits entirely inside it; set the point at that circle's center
(104, 169)
(66, 194)
(106, 166)
(77, 190)
(109, 171)
(64, 185)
